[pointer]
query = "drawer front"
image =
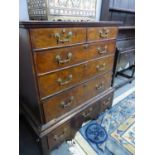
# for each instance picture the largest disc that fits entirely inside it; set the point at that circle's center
(66, 101)
(51, 37)
(47, 61)
(61, 80)
(102, 33)
(95, 109)
(60, 134)
(68, 129)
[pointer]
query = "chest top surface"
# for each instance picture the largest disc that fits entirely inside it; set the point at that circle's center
(44, 24)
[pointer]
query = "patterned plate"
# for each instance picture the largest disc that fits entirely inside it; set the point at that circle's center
(96, 134)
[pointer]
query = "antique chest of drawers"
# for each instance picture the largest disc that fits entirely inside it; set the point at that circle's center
(65, 76)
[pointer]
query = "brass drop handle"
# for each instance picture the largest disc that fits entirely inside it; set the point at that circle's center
(85, 46)
(108, 100)
(102, 51)
(88, 113)
(65, 81)
(101, 67)
(104, 33)
(63, 37)
(68, 103)
(61, 136)
(60, 61)
(100, 86)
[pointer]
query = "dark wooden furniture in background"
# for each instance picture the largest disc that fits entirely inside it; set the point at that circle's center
(120, 10)
(125, 55)
(65, 76)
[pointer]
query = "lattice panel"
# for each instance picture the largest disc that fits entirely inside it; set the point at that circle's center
(62, 9)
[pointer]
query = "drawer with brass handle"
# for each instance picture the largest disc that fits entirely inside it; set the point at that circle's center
(57, 81)
(93, 110)
(64, 102)
(102, 33)
(56, 137)
(49, 60)
(52, 37)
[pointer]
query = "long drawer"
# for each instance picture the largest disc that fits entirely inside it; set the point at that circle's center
(67, 130)
(68, 100)
(57, 81)
(55, 59)
(52, 37)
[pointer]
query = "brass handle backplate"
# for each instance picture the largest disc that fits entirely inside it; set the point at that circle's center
(61, 136)
(65, 81)
(100, 86)
(60, 61)
(63, 37)
(85, 46)
(107, 101)
(104, 33)
(67, 103)
(88, 113)
(101, 67)
(102, 50)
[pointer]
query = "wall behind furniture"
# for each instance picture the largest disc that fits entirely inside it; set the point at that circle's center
(98, 9)
(23, 13)
(122, 10)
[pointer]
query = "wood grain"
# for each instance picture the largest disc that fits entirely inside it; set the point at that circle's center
(46, 37)
(49, 84)
(47, 61)
(107, 33)
(60, 134)
(68, 100)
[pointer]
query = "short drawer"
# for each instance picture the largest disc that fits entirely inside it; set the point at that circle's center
(51, 37)
(60, 134)
(58, 81)
(68, 100)
(67, 130)
(54, 59)
(101, 33)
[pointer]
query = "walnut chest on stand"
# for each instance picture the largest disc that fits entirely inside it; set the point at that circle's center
(65, 76)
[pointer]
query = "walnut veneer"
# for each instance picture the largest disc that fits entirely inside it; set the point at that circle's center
(65, 76)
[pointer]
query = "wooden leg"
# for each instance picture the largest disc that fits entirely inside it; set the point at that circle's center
(44, 146)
